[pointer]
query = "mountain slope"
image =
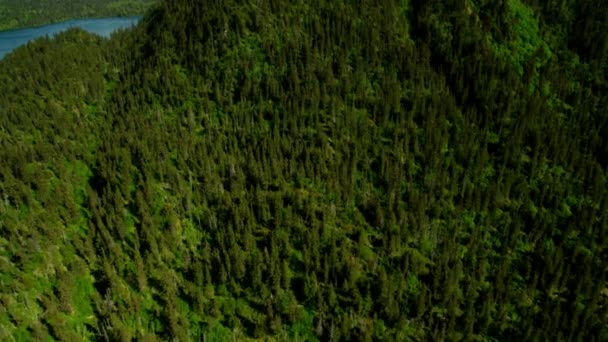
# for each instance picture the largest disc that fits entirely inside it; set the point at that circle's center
(307, 170)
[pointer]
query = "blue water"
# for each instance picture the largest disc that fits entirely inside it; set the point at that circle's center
(10, 40)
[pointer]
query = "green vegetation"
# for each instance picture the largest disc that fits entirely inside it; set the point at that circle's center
(310, 170)
(19, 13)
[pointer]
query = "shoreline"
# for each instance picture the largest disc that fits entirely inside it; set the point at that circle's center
(63, 20)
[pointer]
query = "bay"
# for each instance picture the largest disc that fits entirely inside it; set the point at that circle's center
(10, 40)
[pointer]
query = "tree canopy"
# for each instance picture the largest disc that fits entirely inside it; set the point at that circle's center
(310, 170)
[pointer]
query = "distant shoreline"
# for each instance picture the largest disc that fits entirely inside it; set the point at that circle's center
(102, 26)
(63, 20)
(16, 15)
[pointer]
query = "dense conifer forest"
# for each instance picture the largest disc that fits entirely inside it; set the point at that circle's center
(338, 170)
(26, 13)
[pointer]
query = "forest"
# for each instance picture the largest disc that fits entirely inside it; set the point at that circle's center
(21, 13)
(323, 170)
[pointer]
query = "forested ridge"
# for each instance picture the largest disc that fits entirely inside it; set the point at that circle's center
(310, 170)
(26, 13)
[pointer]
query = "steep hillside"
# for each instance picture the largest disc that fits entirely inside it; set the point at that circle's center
(324, 170)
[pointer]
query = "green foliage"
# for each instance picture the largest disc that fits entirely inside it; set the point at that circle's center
(526, 46)
(280, 170)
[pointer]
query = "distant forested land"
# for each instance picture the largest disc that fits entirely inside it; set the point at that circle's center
(312, 171)
(20, 13)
